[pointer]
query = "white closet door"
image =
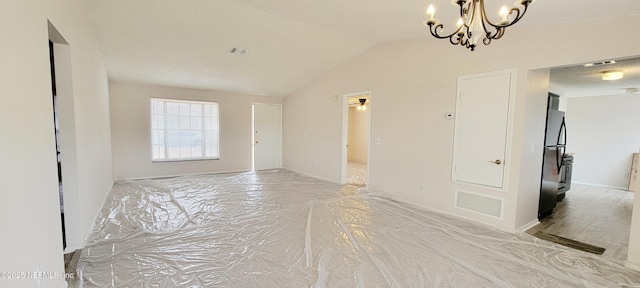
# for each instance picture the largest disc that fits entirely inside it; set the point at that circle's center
(481, 128)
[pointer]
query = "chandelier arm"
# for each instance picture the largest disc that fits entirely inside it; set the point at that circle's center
(456, 41)
(525, 4)
(499, 29)
(515, 19)
(459, 38)
(463, 42)
(467, 44)
(462, 10)
(518, 15)
(434, 31)
(499, 32)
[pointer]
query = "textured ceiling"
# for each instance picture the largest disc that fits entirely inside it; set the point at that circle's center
(185, 43)
(580, 81)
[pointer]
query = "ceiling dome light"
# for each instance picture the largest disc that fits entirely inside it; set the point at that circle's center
(612, 75)
(362, 107)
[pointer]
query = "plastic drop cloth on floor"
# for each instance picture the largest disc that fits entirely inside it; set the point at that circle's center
(281, 229)
(356, 173)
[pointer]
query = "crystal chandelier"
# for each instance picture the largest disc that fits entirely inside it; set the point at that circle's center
(474, 25)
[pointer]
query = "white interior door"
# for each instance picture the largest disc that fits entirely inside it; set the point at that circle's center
(267, 136)
(481, 128)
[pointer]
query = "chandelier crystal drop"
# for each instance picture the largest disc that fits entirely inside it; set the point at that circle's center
(474, 25)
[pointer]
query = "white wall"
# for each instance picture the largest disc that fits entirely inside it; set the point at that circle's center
(603, 132)
(416, 141)
(358, 149)
(131, 130)
(31, 227)
(534, 111)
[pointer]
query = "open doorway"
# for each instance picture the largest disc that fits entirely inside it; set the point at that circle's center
(56, 123)
(594, 203)
(355, 139)
(65, 139)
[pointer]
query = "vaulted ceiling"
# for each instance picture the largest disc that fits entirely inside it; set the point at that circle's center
(186, 43)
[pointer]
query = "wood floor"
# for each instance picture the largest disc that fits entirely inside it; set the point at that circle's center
(593, 215)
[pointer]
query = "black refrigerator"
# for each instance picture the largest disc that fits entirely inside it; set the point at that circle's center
(554, 153)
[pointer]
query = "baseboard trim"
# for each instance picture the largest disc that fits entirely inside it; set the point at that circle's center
(632, 265)
(180, 175)
(312, 176)
(528, 226)
(599, 185)
(70, 249)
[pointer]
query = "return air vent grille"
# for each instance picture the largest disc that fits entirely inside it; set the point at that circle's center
(477, 203)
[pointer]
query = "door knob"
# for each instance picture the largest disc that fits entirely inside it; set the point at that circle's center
(497, 162)
(256, 142)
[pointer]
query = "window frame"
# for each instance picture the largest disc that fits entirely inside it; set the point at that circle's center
(215, 128)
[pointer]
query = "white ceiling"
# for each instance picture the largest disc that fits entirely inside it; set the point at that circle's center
(185, 43)
(580, 81)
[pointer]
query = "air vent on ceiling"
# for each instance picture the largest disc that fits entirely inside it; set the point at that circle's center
(238, 51)
(599, 63)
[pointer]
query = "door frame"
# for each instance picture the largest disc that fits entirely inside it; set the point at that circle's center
(345, 136)
(253, 132)
(67, 136)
